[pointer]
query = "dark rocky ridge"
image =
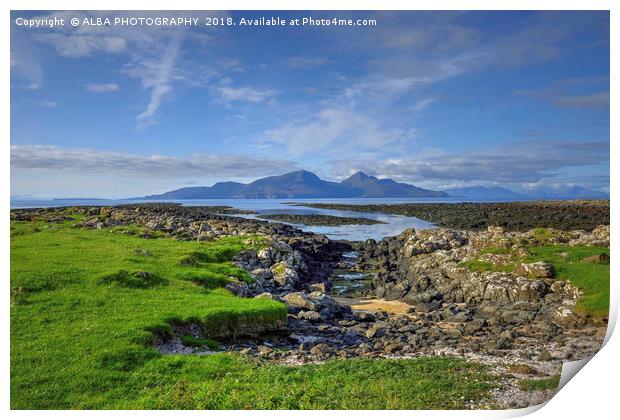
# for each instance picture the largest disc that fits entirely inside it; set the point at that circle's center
(319, 219)
(514, 216)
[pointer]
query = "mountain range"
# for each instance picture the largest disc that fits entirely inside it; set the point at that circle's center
(304, 184)
(539, 193)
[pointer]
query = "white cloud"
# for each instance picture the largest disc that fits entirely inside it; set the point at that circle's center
(101, 87)
(336, 129)
(76, 46)
(244, 94)
(89, 161)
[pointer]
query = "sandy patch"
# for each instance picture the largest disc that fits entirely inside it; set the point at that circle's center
(390, 306)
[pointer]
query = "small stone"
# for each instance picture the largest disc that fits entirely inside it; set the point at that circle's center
(453, 332)
(375, 332)
(503, 343)
(597, 259)
(299, 300)
(264, 350)
(538, 269)
(545, 356)
(320, 350)
(318, 287)
(363, 317)
(392, 348)
(506, 335)
(428, 306)
(312, 316)
(364, 348)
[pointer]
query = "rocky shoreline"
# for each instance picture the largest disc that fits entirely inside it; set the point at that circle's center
(523, 318)
(513, 216)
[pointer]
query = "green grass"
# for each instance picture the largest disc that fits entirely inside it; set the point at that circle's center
(539, 384)
(224, 381)
(87, 304)
(592, 278)
(541, 234)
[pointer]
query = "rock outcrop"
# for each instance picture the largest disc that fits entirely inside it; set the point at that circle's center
(425, 269)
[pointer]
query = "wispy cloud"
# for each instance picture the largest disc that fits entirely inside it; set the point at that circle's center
(101, 87)
(88, 161)
(422, 104)
(46, 104)
(594, 100)
(244, 94)
(569, 93)
(152, 53)
(159, 82)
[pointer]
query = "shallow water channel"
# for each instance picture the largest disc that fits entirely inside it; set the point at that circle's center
(353, 288)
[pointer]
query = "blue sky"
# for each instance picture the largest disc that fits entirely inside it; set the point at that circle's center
(437, 99)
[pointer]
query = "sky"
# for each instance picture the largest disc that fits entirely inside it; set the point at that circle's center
(436, 99)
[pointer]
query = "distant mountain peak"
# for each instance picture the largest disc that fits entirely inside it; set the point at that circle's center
(304, 184)
(360, 175)
(303, 174)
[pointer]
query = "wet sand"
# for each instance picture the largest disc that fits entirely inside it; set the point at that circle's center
(370, 305)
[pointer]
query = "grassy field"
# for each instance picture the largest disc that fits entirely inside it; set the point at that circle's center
(85, 304)
(568, 261)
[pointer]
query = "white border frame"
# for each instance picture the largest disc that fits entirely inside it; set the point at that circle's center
(592, 395)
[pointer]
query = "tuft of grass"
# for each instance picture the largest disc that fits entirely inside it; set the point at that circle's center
(191, 341)
(542, 233)
(212, 254)
(208, 279)
(137, 231)
(521, 369)
(539, 384)
(495, 250)
(138, 279)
